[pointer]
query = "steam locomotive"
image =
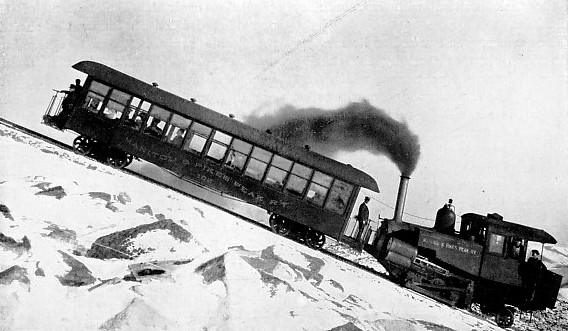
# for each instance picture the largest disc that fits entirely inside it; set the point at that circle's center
(119, 118)
(483, 262)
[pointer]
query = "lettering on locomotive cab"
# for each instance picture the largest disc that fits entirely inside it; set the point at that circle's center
(454, 246)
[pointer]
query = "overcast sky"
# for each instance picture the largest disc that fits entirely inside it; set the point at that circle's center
(483, 84)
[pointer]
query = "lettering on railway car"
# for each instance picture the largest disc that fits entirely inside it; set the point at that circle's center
(205, 179)
(153, 154)
(257, 196)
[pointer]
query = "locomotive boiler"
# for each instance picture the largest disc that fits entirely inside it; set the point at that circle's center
(473, 264)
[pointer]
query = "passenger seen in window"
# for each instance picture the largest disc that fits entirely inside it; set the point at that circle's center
(153, 129)
(178, 139)
(133, 120)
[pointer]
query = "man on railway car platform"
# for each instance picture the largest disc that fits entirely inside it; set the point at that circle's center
(66, 105)
(363, 218)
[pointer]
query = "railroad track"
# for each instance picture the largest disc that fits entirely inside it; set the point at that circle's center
(67, 147)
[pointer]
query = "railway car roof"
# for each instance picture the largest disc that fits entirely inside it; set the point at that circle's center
(224, 123)
(514, 229)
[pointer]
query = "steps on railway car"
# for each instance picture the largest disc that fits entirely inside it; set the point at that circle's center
(51, 122)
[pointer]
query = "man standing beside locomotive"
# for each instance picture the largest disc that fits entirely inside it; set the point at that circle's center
(363, 218)
(532, 272)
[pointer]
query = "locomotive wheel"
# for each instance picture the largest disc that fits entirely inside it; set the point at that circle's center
(505, 318)
(315, 239)
(83, 145)
(280, 225)
(118, 159)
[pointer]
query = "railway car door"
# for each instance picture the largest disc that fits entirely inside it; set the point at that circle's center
(351, 227)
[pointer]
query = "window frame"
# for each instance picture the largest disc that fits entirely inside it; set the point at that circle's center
(509, 242)
(272, 166)
(147, 123)
(213, 142)
(191, 133)
(246, 155)
(292, 174)
(316, 184)
(327, 200)
(172, 126)
(104, 100)
(137, 110)
(490, 245)
(259, 160)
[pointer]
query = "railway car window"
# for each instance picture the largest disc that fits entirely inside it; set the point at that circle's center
(177, 130)
(160, 113)
(137, 111)
(238, 154)
(99, 88)
(279, 168)
(120, 97)
(93, 103)
(275, 177)
(197, 137)
(156, 122)
(496, 243)
(316, 194)
(322, 179)
(298, 179)
(258, 163)
(338, 196)
(318, 188)
(116, 105)
(261, 154)
(282, 163)
(95, 96)
(255, 169)
(219, 146)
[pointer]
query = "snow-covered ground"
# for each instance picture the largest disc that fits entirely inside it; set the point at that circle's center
(86, 247)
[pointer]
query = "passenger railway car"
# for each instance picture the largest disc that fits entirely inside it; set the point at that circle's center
(308, 196)
(119, 117)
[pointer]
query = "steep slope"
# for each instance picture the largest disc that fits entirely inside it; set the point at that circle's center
(102, 250)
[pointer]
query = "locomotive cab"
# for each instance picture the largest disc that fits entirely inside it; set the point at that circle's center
(511, 269)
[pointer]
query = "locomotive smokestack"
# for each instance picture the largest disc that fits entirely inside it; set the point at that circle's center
(401, 198)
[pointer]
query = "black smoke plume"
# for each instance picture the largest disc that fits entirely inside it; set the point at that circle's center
(358, 126)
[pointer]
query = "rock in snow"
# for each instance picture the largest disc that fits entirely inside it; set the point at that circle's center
(157, 260)
(121, 244)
